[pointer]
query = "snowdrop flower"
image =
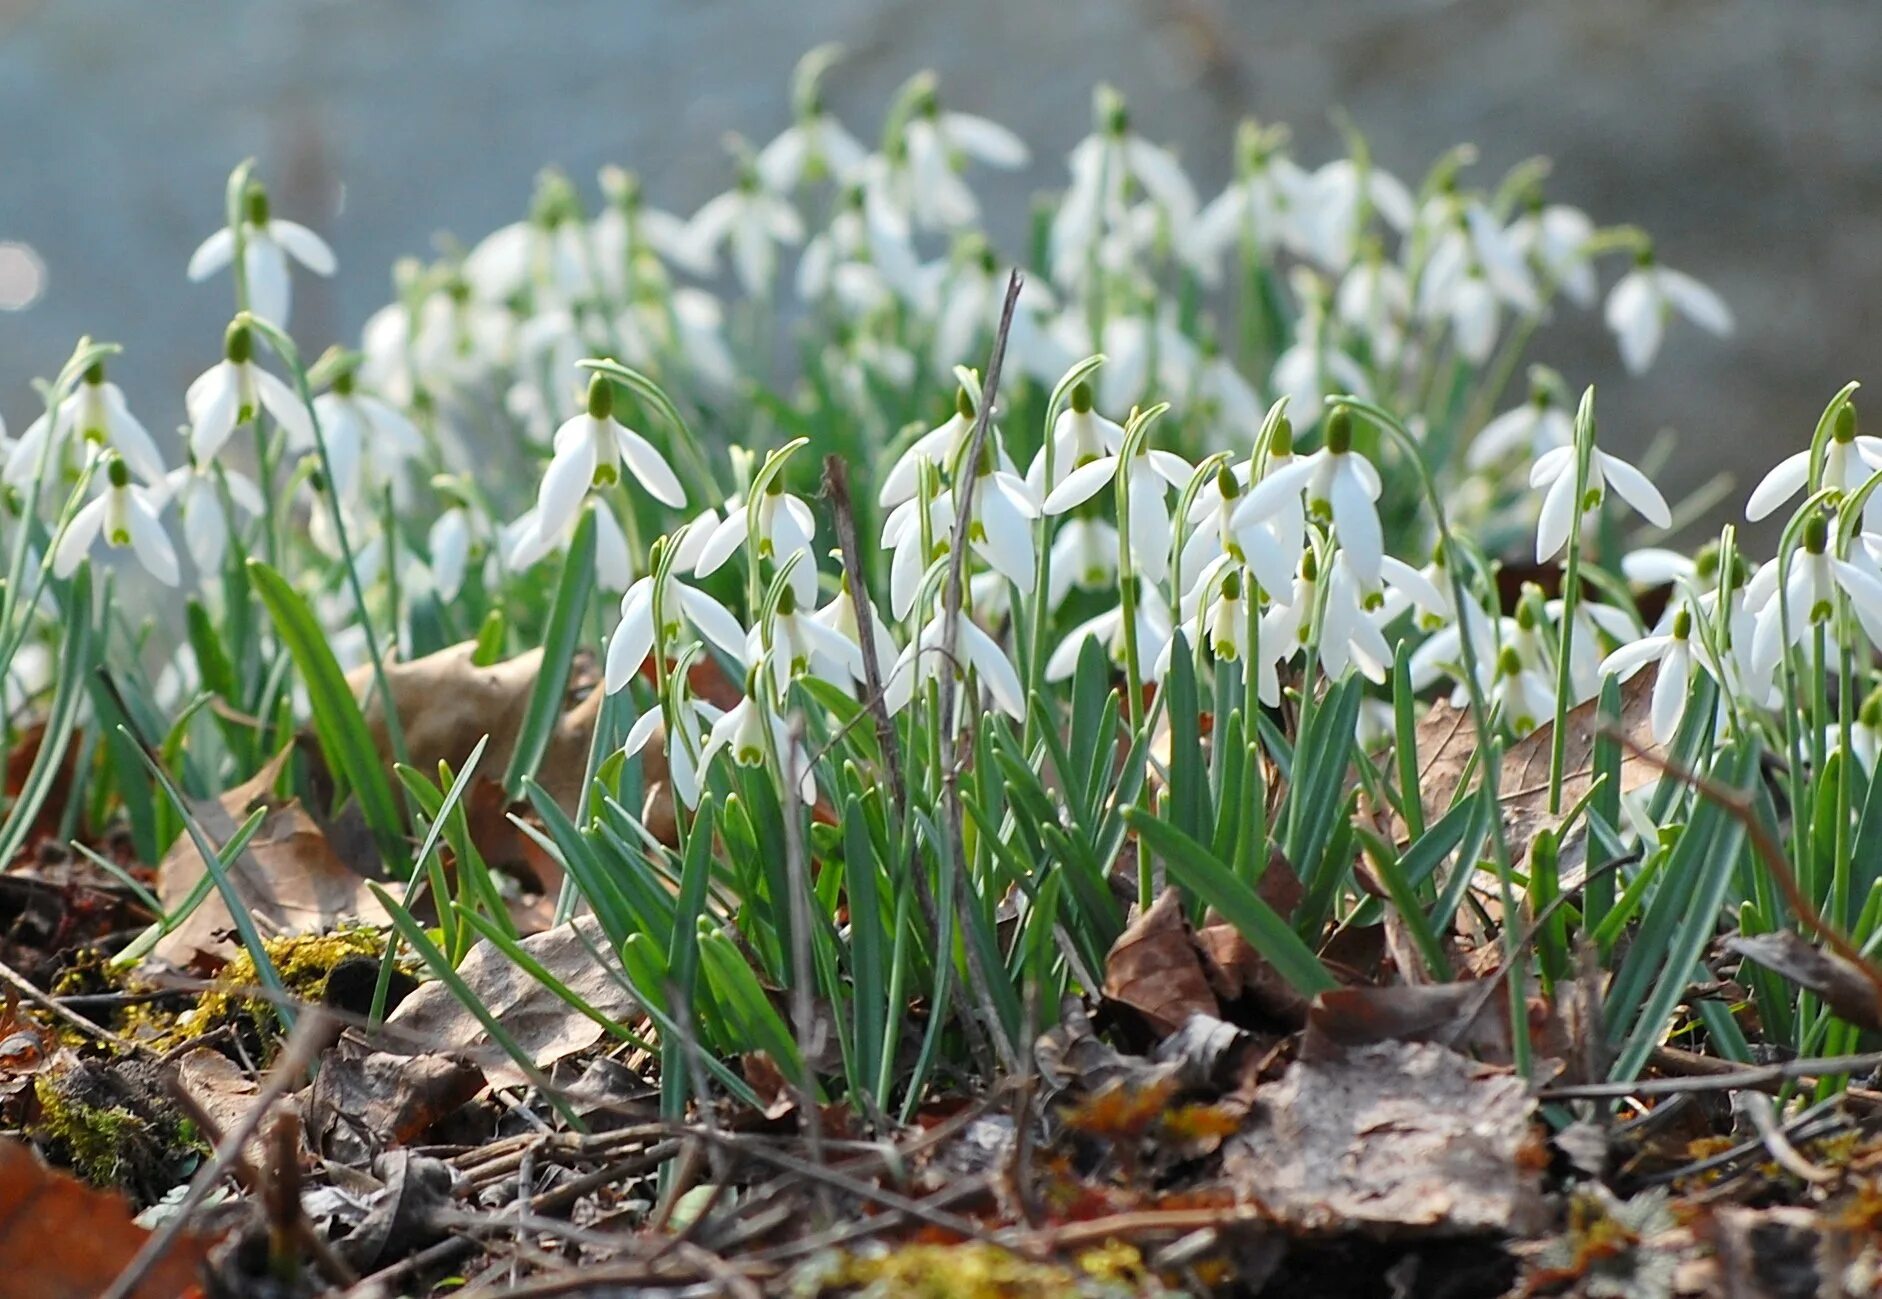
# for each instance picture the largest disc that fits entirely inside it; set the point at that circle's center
(1676, 653)
(927, 656)
(361, 431)
(1148, 477)
(1848, 463)
(1524, 693)
(742, 732)
(682, 606)
(590, 449)
(1593, 622)
(814, 146)
(1810, 589)
(1314, 366)
(803, 645)
(199, 501)
(862, 256)
(1554, 474)
(1555, 240)
(1219, 605)
(96, 410)
(752, 221)
(1537, 426)
(840, 616)
(1374, 297)
(1340, 485)
(1084, 555)
(1639, 305)
(525, 543)
(1153, 637)
(938, 446)
(1080, 435)
(545, 256)
(1341, 194)
(1865, 733)
(1262, 205)
(683, 741)
(627, 229)
(1102, 165)
(234, 392)
(1348, 634)
(449, 542)
(1000, 531)
(126, 515)
(922, 167)
(267, 244)
(783, 526)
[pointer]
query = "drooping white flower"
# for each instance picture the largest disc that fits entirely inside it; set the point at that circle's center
(1153, 637)
(1149, 475)
(1342, 195)
(742, 732)
(801, 644)
(267, 244)
(1849, 461)
(1640, 303)
(1555, 239)
(198, 497)
(1084, 555)
(1080, 435)
(1537, 426)
(1810, 587)
(684, 741)
(751, 221)
(840, 616)
(626, 230)
(1676, 653)
(1103, 166)
(938, 446)
(125, 514)
(362, 432)
(95, 409)
(928, 655)
(937, 143)
(590, 449)
(1340, 485)
(681, 607)
(523, 544)
(1348, 634)
(783, 526)
(236, 390)
(1554, 474)
(1262, 206)
(1523, 693)
(861, 258)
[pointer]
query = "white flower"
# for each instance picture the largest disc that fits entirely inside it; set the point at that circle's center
(1262, 206)
(627, 229)
(1848, 463)
(783, 527)
(234, 392)
(590, 449)
(1000, 531)
(840, 616)
(861, 257)
(1348, 634)
(1080, 435)
(1555, 471)
(96, 410)
(1148, 478)
(815, 144)
(927, 655)
(1809, 591)
(752, 221)
(742, 732)
(1084, 554)
(1102, 165)
(1538, 425)
(683, 742)
(803, 645)
(126, 515)
(1341, 194)
(267, 243)
(938, 446)
(205, 524)
(361, 431)
(1523, 692)
(1676, 653)
(524, 544)
(1638, 307)
(1340, 484)
(1153, 637)
(1555, 239)
(681, 606)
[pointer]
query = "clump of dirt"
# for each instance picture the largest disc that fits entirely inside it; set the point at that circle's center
(112, 1123)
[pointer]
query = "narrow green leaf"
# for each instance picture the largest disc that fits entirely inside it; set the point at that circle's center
(560, 641)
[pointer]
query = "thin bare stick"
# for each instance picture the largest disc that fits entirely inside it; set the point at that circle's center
(309, 1035)
(803, 1008)
(24, 986)
(1749, 1076)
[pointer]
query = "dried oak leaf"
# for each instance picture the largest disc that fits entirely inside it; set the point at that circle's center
(1155, 969)
(1852, 992)
(289, 877)
(446, 703)
(220, 1088)
(365, 1101)
(60, 1239)
(1447, 741)
(540, 1021)
(1395, 1139)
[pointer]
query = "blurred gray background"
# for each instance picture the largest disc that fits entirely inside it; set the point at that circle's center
(1745, 135)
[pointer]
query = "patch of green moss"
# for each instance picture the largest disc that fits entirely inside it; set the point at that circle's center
(98, 1142)
(302, 960)
(973, 1270)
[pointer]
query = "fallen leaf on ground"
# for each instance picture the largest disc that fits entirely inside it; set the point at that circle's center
(60, 1239)
(544, 1025)
(1155, 969)
(1852, 992)
(402, 1217)
(1393, 1139)
(1447, 741)
(446, 703)
(1073, 1058)
(222, 1091)
(365, 1101)
(289, 877)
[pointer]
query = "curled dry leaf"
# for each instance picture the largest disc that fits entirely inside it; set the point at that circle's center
(60, 1239)
(1156, 970)
(1853, 992)
(1471, 1016)
(1396, 1139)
(540, 1021)
(363, 1102)
(290, 877)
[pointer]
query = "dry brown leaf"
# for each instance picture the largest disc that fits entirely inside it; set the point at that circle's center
(290, 878)
(1851, 992)
(1154, 968)
(364, 1101)
(1447, 740)
(446, 703)
(540, 1021)
(1394, 1139)
(1471, 1016)
(60, 1239)
(226, 1094)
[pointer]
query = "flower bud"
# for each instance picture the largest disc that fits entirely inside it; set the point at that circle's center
(1282, 443)
(1845, 429)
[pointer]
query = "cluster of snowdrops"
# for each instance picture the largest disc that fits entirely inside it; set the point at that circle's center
(1277, 432)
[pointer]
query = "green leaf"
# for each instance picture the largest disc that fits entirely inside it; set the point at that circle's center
(61, 717)
(339, 725)
(560, 641)
(1205, 876)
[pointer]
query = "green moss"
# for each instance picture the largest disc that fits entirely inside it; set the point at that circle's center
(95, 1140)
